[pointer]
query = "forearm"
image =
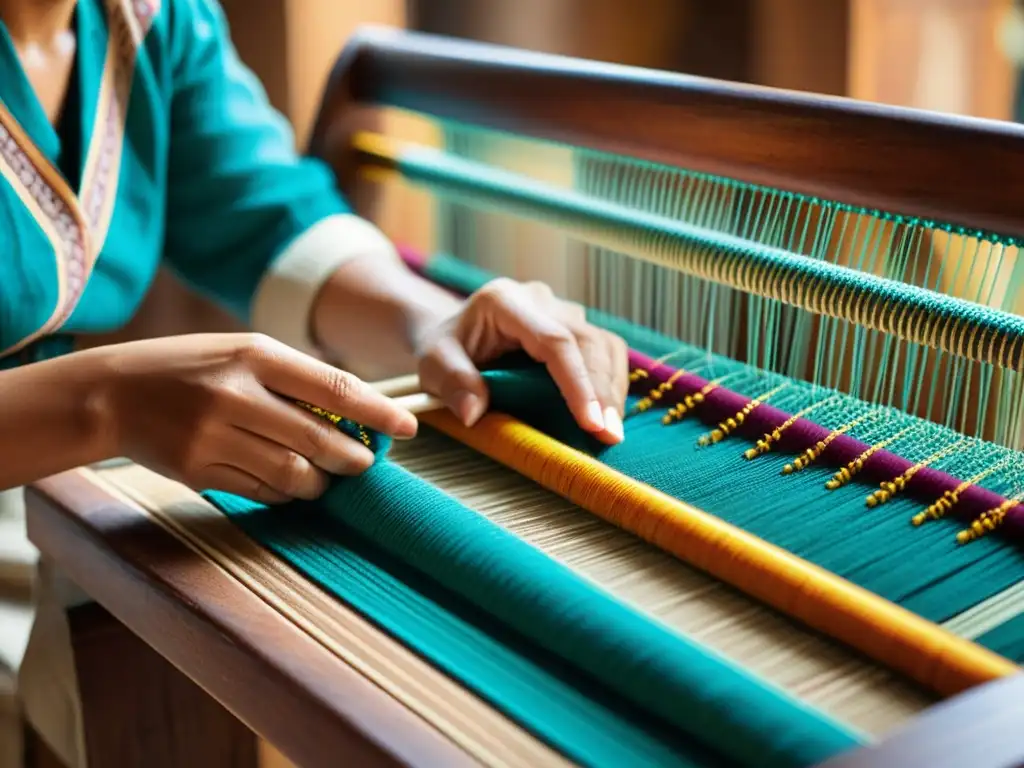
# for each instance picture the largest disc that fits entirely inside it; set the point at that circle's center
(370, 314)
(52, 419)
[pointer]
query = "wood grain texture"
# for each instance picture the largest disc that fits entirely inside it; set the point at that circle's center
(929, 165)
(271, 676)
(139, 710)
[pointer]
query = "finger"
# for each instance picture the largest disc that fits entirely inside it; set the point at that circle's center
(279, 468)
(305, 433)
(291, 373)
(601, 359)
(550, 342)
(447, 372)
(620, 370)
(228, 479)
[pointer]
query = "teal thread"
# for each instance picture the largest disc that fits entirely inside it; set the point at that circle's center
(921, 569)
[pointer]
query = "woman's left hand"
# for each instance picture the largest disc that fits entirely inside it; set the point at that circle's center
(589, 365)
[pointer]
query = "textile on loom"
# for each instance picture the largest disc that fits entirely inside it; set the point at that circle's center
(807, 322)
(436, 549)
(928, 573)
(729, 717)
(602, 682)
(712, 440)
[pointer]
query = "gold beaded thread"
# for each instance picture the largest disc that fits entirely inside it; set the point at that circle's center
(680, 409)
(811, 455)
(338, 421)
(764, 445)
(658, 392)
(847, 473)
(691, 401)
(949, 499)
(726, 428)
(890, 488)
(988, 521)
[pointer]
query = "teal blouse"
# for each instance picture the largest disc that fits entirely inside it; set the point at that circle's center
(167, 151)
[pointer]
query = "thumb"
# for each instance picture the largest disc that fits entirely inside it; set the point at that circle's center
(447, 372)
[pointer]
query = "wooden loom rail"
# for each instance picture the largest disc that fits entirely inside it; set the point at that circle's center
(260, 667)
(940, 167)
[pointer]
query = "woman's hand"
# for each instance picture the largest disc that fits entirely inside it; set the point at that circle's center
(589, 365)
(211, 411)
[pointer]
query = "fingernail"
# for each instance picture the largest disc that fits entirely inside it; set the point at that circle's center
(407, 428)
(594, 416)
(613, 424)
(467, 406)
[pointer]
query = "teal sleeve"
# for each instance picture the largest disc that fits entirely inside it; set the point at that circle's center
(238, 191)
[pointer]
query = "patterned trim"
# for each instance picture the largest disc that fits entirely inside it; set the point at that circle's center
(129, 22)
(77, 228)
(51, 203)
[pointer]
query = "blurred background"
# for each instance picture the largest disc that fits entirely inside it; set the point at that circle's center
(957, 56)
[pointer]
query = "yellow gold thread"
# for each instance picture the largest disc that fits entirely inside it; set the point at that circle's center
(645, 373)
(677, 411)
(765, 443)
(680, 409)
(949, 499)
(335, 419)
(332, 417)
(987, 522)
(658, 392)
(812, 454)
(888, 489)
(847, 473)
(725, 428)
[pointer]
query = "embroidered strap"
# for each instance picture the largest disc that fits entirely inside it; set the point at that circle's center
(77, 227)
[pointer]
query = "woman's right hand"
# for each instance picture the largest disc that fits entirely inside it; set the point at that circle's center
(213, 411)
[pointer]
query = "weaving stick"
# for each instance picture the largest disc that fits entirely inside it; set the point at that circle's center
(420, 402)
(398, 386)
(404, 391)
(407, 392)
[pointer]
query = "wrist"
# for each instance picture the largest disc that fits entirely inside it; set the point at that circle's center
(374, 315)
(427, 310)
(94, 375)
(285, 305)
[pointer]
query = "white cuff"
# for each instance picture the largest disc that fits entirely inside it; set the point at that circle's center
(284, 298)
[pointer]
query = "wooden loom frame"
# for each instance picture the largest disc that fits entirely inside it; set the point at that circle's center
(872, 154)
(263, 668)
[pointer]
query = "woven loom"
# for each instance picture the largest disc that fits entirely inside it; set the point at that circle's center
(811, 533)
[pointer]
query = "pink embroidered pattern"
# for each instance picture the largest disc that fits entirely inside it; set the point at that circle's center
(57, 202)
(53, 206)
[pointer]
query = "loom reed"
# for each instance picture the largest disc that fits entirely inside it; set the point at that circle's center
(947, 323)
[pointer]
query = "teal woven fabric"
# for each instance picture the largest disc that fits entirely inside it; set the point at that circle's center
(922, 569)
(452, 584)
(1007, 638)
(590, 727)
